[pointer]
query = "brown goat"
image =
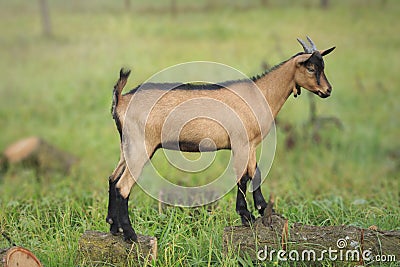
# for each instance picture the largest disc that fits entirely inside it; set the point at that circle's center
(234, 115)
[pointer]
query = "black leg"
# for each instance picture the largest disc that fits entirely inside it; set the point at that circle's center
(241, 204)
(123, 218)
(112, 216)
(259, 201)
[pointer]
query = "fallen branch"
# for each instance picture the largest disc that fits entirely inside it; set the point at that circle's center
(299, 242)
(34, 152)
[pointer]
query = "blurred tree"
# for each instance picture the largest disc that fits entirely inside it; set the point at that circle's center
(325, 4)
(173, 8)
(44, 13)
(127, 4)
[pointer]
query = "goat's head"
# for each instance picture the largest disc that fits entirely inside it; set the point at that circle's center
(310, 70)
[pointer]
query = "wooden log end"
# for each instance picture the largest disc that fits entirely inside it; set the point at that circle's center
(21, 149)
(19, 256)
(98, 248)
(36, 153)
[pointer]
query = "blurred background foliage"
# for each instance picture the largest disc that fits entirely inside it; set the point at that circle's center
(60, 60)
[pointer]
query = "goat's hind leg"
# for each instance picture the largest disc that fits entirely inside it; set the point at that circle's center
(112, 215)
(122, 189)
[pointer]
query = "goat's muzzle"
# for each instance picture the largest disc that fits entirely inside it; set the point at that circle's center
(325, 94)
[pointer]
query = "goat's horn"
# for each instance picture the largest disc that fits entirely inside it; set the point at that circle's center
(313, 47)
(304, 45)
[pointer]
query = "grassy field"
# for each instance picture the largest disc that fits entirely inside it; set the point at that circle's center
(60, 88)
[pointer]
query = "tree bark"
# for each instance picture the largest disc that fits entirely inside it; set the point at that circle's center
(104, 248)
(261, 243)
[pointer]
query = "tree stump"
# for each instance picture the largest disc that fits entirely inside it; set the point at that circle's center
(305, 243)
(18, 257)
(34, 152)
(102, 249)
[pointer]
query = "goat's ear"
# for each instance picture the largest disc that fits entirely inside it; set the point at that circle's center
(327, 51)
(300, 60)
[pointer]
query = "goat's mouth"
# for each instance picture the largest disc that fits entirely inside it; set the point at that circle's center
(322, 94)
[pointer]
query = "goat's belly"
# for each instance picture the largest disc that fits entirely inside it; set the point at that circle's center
(192, 147)
(199, 135)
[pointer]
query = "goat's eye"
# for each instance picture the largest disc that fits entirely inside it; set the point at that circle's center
(310, 70)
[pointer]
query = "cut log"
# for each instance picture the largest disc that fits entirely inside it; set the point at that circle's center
(98, 249)
(297, 242)
(18, 257)
(34, 152)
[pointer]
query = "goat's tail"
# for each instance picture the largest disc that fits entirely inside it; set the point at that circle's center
(118, 87)
(123, 77)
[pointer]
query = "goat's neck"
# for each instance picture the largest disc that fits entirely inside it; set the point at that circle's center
(277, 85)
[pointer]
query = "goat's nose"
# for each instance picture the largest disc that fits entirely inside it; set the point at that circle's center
(329, 90)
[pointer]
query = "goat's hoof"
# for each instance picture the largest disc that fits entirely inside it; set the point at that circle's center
(115, 233)
(130, 237)
(267, 221)
(248, 219)
(261, 211)
(261, 208)
(129, 234)
(109, 220)
(114, 229)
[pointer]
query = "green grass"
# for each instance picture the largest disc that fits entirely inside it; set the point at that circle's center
(60, 89)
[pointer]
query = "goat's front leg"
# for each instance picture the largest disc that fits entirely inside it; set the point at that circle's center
(265, 209)
(259, 201)
(241, 204)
